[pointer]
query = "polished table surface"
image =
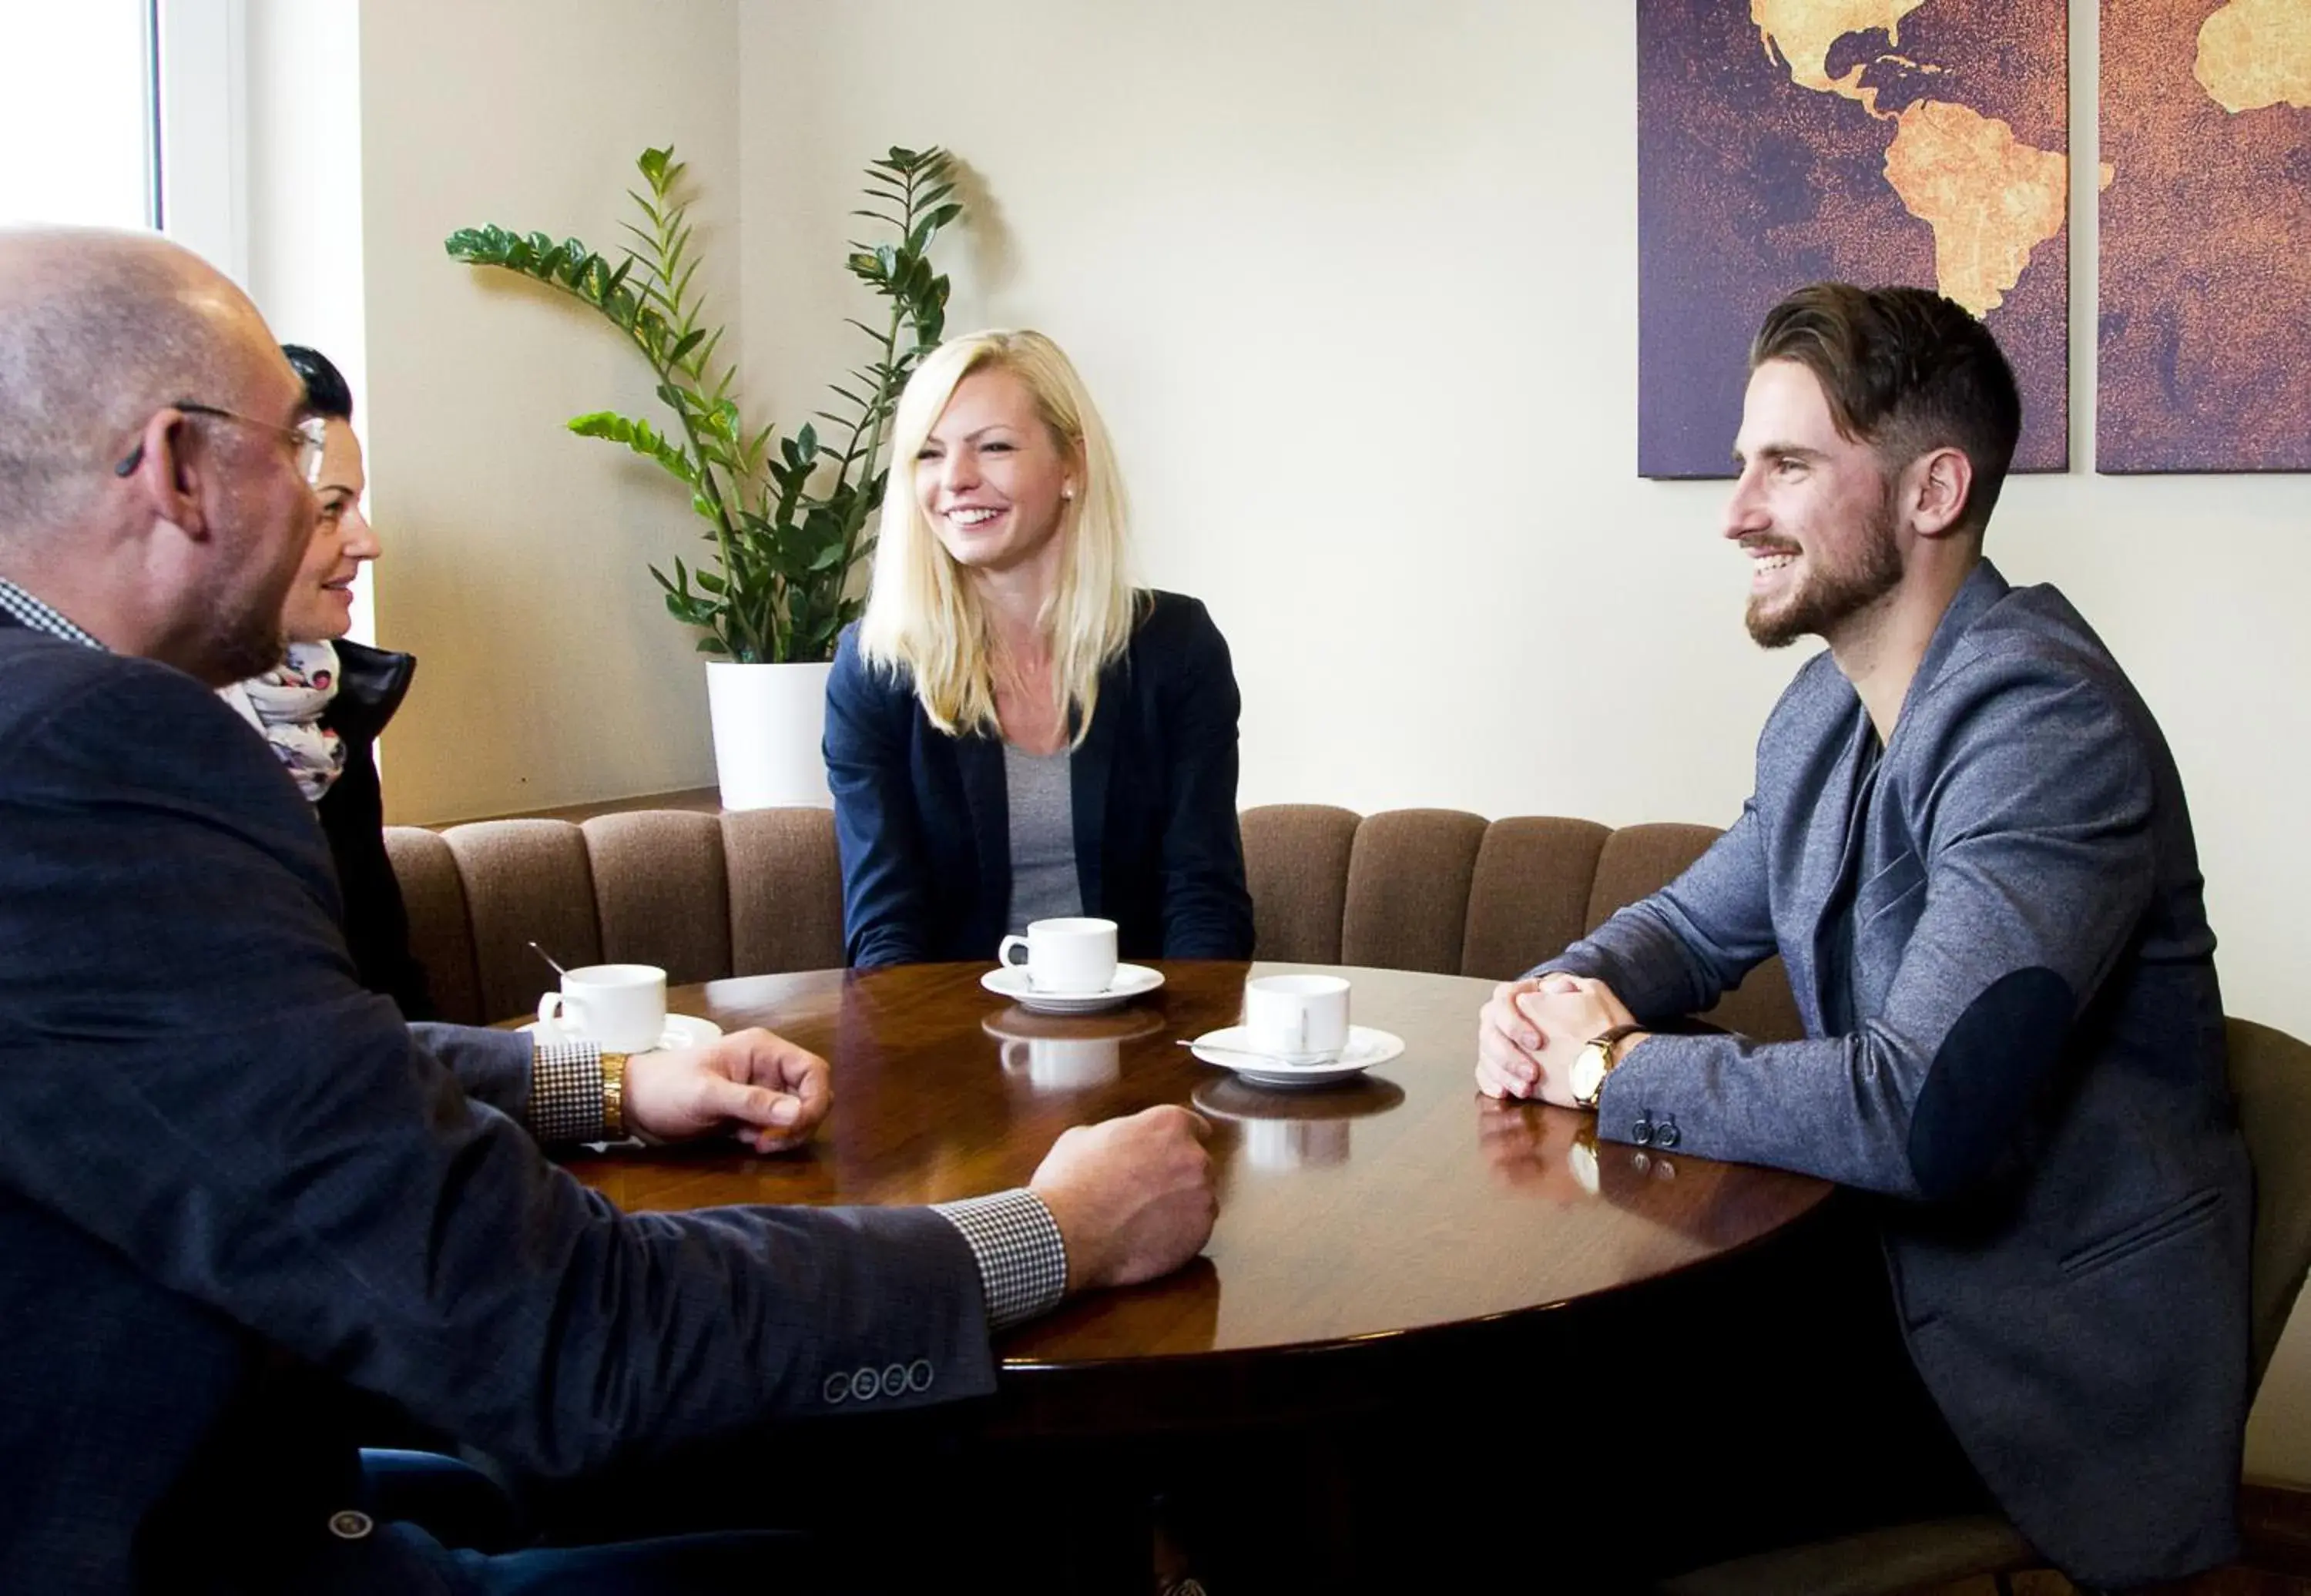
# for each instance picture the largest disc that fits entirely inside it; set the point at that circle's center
(1400, 1205)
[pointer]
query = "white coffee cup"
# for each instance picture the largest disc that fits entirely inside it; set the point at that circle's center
(619, 1006)
(1064, 957)
(1063, 1063)
(1300, 1018)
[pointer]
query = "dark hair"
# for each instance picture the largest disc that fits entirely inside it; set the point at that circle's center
(325, 393)
(1904, 370)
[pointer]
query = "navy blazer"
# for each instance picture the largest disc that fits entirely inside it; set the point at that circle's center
(1996, 933)
(233, 1183)
(923, 819)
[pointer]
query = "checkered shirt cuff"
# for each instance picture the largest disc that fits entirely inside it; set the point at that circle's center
(565, 1092)
(1023, 1260)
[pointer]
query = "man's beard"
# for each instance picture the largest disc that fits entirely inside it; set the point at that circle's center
(239, 633)
(244, 646)
(1831, 594)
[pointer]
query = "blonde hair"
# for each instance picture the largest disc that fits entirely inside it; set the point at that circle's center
(923, 617)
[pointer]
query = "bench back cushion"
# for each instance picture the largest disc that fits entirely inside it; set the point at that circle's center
(760, 891)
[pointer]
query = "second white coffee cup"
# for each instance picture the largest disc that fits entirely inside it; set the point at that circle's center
(619, 1006)
(1074, 955)
(1297, 1017)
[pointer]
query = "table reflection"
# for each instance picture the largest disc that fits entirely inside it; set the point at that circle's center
(1294, 1130)
(1050, 1053)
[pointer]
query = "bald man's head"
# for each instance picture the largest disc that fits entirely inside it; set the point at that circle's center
(150, 487)
(98, 329)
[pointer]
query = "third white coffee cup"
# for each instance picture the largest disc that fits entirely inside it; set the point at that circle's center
(1064, 956)
(1297, 1017)
(619, 1006)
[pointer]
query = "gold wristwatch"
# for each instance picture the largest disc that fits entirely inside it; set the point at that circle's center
(614, 1096)
(1595, 1061)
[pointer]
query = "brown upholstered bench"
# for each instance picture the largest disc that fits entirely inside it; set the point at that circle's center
(755, 891)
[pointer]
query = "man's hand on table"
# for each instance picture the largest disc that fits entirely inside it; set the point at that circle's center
(766, 1090)
(1133, 1197)
(1530, 1031)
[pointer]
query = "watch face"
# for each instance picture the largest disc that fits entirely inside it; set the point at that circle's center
(1588, 1075)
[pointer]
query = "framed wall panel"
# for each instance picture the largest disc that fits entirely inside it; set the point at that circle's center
(1784, 141)
(2204, 340)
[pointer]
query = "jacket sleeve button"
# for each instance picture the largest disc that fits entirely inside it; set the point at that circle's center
(1665, 1133)
(1642, 1133)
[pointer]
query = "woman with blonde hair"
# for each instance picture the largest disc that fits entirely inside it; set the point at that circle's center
(1014, 731)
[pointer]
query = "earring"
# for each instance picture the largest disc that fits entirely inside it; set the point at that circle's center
(1066, 493)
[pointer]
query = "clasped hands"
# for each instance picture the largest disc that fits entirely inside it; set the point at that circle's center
(1530, 1031)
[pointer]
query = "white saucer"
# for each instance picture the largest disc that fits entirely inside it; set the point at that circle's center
(681, 1030)
(1232, 1048)
(1132, 981)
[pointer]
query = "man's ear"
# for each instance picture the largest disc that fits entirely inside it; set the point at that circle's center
(171, 472)
(1940, 483)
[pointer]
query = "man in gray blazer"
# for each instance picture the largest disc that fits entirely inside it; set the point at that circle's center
(234, 1185)
(1969, 844)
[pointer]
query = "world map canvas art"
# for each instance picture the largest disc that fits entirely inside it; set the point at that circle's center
(1784, 141)
(2204, 361)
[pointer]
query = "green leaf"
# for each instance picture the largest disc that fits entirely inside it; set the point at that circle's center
(773, 583)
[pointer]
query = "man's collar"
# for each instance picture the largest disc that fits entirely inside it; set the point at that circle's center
(1982, 588)
(27, 610)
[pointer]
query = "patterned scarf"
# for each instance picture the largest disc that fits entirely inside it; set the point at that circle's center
(286, 704)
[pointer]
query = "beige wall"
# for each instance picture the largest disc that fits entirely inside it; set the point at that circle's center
(516, 553)
(1356, 287)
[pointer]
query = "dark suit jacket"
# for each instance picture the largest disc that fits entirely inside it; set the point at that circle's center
(923, 819)
(1996, 938)
(233, 1183)
(370, 685)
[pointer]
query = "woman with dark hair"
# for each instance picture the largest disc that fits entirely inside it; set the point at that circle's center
(322, 707)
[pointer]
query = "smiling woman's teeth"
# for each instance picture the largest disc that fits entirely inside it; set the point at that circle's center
(972, 518)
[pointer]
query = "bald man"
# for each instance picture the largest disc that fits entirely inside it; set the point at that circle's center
(233, 1183)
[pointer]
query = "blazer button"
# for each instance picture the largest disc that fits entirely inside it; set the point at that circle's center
(864, 1385)
(1642, 1133)
(1665, 1133)
(894, 1380)
(351, 1525)
(837, 1388)
(920, 1376)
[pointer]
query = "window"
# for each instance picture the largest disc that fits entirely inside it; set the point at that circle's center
(127, 113)
(77, 113)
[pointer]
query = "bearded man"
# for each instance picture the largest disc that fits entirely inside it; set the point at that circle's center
(1969, 844)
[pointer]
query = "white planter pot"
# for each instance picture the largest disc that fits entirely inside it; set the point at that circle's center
(768, 720)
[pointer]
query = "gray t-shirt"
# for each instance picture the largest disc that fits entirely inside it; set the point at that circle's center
(1044, 881)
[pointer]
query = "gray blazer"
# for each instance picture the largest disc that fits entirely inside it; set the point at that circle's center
(234, 1184)
(1996, 934)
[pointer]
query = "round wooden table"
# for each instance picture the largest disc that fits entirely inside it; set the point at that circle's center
(1356, 1221)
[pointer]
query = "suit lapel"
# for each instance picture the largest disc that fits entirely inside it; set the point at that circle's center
(979, 760)
(1087, 777)
(1830, 861)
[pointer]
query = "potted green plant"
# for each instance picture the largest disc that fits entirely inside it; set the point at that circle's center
(789, 517)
